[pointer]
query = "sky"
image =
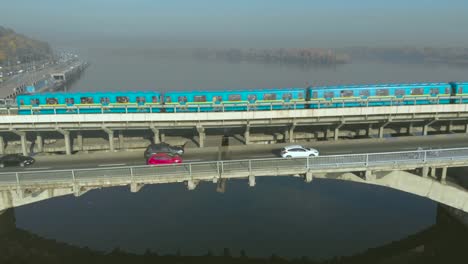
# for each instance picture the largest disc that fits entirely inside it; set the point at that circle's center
(293, 23)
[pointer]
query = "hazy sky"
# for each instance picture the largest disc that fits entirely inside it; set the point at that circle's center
(333, 23)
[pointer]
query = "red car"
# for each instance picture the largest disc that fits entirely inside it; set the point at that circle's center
(163, 158)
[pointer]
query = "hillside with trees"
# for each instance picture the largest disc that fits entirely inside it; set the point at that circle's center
(14, 46)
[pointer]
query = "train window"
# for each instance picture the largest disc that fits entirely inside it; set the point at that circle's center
(51, 101)
(182, 99)
(140, 99)
(86, 100)
(168, 99)
(400, 92)
(217, 98)
(21, 102)
(447, 90)
(460, 90)
(269, 96)
(199, 98)
(382, 92)
(252, 97)
(346, 93)
(69, 101)
(315, 95)
(105, 100)
(328, 94)
(122, 99)
(300, 95)
(34, 101)
(287, 96)
(417, 91)
(364, 93)
(234, 97)
(435, 91)
(154, 99)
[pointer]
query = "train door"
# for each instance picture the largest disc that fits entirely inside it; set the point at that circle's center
(453, 92)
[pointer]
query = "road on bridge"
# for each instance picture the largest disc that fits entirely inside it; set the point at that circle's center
(106, 159)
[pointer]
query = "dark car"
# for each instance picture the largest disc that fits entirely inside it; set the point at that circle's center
(15, 160)
(163, 148)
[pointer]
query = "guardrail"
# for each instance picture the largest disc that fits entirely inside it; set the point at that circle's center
(6, 107)
(233, 168)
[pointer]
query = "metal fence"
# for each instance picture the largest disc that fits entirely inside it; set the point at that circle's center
(8, 107)
(231, 168)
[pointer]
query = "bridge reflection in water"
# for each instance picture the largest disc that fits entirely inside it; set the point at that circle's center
(443, 242)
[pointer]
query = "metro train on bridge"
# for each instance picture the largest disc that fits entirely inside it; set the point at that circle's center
(242, 100)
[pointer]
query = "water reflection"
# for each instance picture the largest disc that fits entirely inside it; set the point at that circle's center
(444, 242)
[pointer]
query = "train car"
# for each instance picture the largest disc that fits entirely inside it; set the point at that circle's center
(89, 102)
(235, 100)
(379, 94)
(460, 89)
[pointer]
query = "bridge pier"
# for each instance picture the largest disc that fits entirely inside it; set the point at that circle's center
(448, 128)
(252, 181)
(136, 187)
(443, 177)
(426, 127)
(308, 177)
(39, 142)
(2, 145)
(66, 135)
(121, 140)
(381, 129)
(201, 136)
(110, 133)
(79, 140)
(336, 134)
(247, 135)
(24, 143)
(291, 133)
(425, 172)
(156, 139)
(191, 185)
(410, 129)
(369, 131)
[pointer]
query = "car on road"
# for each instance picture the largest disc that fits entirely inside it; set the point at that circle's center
(163, 158)
(163, 148)
(15, 160)
(298, 151)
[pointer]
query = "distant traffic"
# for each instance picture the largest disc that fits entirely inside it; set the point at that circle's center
(241, 100)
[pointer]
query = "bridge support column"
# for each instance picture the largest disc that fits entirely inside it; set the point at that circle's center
(433, 172)
(326, 134)
(426, 127)
(24, 143)
(2, 145)
(336, 134)
(156, 139)
(201, 136)
(443, 177)
(381, 129)
(466, 128)
(247, 135)
(66, 136)
(410, 129)
(369, 175)
(79, 140)
(252, 181)
(191, 185)
(110, 132)
(369, 131)
(39, 142)
(136, 187)
(425, 172)
(291, 133)
(121, 140)
(308, 177)
(448, 128)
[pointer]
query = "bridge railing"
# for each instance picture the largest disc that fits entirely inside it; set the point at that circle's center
(243, 168)
(8, 107)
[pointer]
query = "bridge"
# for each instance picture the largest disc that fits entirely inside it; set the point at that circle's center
(422, 172)
(288, 125)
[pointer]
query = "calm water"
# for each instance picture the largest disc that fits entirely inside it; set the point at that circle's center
(283, 216)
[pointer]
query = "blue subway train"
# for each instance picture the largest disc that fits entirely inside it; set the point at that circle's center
(242, 100)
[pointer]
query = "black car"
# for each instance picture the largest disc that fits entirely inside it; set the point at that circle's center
(15, 160)
(163, 148)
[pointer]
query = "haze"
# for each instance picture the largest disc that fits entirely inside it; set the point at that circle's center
(244, 23)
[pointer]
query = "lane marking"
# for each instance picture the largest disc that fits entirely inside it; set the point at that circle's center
(40, 168)
(110, 165)
(192, 160)
(263, 156)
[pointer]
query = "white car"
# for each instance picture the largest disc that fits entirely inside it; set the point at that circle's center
(298, 151)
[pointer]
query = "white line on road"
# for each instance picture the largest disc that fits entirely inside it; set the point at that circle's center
(35, 168)
(192, 160)
(111, 165)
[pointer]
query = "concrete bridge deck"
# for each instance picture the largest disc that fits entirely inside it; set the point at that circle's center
(422, 173)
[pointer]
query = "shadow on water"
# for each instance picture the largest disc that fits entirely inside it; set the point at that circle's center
(444, 242)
